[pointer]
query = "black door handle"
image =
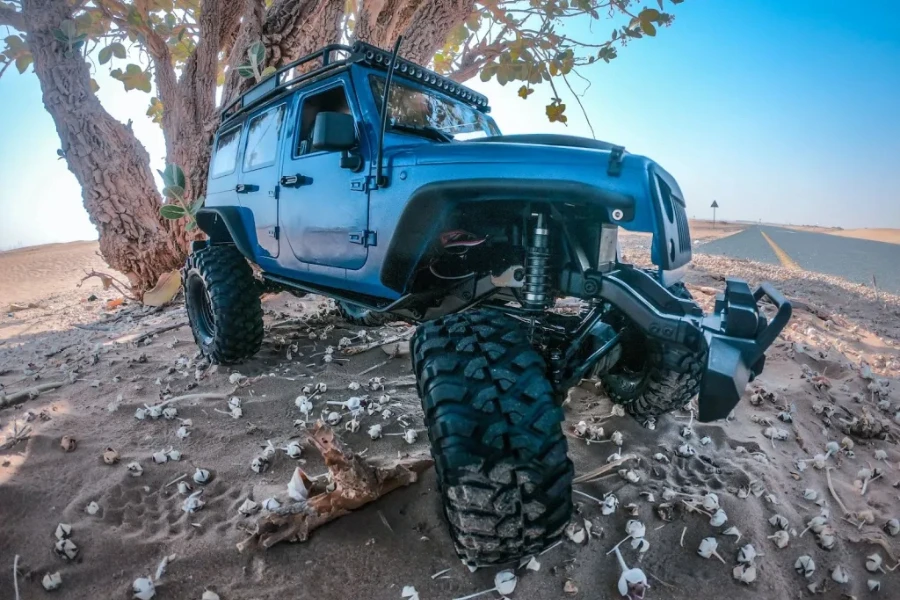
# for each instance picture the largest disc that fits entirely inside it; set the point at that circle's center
(294, 180)
(245, 188)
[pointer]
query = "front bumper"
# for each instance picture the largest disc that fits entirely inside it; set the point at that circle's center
(734, 338)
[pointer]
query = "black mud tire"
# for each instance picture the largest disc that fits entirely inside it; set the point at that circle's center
(361, 316)
(500, 455)
(222, 300)
(650, 379)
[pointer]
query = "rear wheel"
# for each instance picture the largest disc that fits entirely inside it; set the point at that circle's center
(223, 306)
(500, 454)
(652, 379)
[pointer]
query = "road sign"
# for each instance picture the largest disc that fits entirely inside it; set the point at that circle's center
(714, 206)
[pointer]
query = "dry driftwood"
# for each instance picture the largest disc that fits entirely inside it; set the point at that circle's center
(356, 483)
(603, 470)
(157, 331)
(351, 350)
(9, 400)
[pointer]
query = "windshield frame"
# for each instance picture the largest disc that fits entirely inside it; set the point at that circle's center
(482, 123)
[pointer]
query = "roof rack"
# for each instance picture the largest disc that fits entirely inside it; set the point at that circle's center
(335, 56)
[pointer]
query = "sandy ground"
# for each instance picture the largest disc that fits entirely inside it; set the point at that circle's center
(705, 231)
(887, 235)
(826, 370)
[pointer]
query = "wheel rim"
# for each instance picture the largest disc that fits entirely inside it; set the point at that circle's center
(200, 309)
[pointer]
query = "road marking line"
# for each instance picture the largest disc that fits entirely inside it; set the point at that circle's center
(786, 261)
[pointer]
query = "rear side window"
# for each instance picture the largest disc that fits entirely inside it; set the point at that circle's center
(262, 139)
(225, 156)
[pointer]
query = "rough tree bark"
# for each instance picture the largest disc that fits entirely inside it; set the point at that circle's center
(110, 164)
(423, 23)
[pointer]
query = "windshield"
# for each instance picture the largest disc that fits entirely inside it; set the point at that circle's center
(412, 109)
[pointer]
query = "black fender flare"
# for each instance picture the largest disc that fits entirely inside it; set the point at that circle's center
(429, 205)
(226, 225)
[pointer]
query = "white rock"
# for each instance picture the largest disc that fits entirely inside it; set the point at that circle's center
(505, 582)
(710, 502)
(193, 503)
(780, 538)
(92, 509)
(66, 549)
(294, 449)
(375, 431)
(805, 566)
(51, 581)
(63, 531)
(840, 575)
(201, 476)
(248, 507)
(135, 469)
(746, 554)
(271, 504)
(143, 588)
(719, 518)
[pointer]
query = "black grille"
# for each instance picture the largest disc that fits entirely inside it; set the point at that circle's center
(684, 236)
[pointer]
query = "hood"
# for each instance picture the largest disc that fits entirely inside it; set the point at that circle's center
(504, 149)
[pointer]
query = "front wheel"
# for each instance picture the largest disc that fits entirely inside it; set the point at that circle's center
(500, 454)
(652, 379)
(223, 306)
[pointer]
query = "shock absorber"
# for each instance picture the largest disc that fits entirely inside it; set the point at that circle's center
(537, 267)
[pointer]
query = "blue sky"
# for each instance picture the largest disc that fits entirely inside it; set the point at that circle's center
(785, 111)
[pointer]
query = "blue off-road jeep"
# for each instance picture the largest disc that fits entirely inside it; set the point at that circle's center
(368, 179)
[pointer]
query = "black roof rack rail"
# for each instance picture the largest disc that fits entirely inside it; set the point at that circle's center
(359, 52)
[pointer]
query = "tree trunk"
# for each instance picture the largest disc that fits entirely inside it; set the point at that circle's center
(425, 24)
(110, 164)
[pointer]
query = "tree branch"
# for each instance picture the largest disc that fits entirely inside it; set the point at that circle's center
(11, 18)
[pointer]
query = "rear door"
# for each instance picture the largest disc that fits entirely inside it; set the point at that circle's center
(260, 166)
(324, 210)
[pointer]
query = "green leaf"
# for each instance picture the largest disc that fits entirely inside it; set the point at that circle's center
(190, 226)
(246, 71)
(173, 176)
(60, 36)
(94, 85)
(257, 55)
(104, 55)
(171, 211)
(648, 28)
(173, 191)
(118, 49)
(134, 78)
(69, 29)
(268, 72)
(197, 205)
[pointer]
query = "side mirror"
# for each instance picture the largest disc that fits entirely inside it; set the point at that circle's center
(334, 131)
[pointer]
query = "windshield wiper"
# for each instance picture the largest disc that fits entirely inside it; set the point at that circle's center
(424, 130)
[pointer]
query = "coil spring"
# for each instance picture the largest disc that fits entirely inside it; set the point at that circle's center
(537, 267)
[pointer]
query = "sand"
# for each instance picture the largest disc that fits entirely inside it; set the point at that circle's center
(401, 539)
(887, 235)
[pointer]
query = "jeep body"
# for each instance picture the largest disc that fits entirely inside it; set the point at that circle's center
(434, 216)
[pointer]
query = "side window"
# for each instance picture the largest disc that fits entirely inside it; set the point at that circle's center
(263, 134)
(331, 100)
(225, 156)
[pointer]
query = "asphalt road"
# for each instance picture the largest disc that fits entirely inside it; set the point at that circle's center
(852, 259)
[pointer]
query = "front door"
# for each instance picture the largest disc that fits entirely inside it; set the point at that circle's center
(323, 218)
(258, 187)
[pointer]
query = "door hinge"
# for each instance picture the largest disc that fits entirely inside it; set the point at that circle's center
(364, 238)
(274, 232)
